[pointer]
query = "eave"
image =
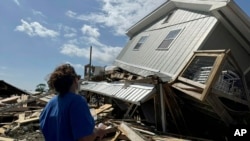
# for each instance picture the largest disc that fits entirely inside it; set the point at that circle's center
(226, 11)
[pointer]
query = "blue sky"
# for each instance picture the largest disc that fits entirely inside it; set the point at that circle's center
(38, 35)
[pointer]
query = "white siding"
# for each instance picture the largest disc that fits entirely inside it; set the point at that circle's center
(196, 27)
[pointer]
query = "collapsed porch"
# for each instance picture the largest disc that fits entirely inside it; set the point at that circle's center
(179, 105)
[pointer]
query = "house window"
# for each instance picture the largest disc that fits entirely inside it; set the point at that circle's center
(169, 39)
(168, 17)
(213, 72)
(140, 42)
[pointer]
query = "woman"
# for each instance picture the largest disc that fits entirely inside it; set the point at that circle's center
(66, 116)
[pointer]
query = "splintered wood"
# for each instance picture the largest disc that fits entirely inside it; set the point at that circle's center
(130, 133)
(17, 112)
(23, 112)
(6, 139)
(101, 109)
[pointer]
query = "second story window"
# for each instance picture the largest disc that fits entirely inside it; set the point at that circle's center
(140, 42)
(169, 39)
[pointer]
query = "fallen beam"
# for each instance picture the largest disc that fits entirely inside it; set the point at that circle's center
(6, 139)
(130, 133)
(101, 109)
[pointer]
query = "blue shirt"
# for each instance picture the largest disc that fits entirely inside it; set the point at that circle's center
(66, 118)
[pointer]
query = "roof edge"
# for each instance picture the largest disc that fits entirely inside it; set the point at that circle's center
(199, 5)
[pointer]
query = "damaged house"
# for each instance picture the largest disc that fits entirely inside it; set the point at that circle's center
(185, 69)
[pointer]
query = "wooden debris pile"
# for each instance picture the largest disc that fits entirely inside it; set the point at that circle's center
(127, 129)
(19, 116)
(20, 121)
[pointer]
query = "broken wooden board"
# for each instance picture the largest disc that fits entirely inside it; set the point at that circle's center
(10, 99)
(6, 139)
(31, 99)
(101, 109)
(117, 134)
(168, 139)
(3, 129)
(130, 133)
(27, 120)
(144, 131)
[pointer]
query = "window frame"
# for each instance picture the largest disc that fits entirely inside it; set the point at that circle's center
(167, 39)
(140, 42)
(203, 88)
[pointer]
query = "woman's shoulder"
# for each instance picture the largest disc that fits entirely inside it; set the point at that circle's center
(53, 101)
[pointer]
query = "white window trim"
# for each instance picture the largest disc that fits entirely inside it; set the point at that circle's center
(140, 42)
(167, 48)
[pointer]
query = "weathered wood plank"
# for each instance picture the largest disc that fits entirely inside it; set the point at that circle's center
(130, 133)
(144, 131)
(28, 120)
(9, 99)
(101, 109)
(117, 134)
(6, 139)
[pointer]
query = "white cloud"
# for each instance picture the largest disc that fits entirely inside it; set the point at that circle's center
(104, 55)
(90, 31)
(17, 2)
(74, 50)
(76, 66)
(69, 35)
(100, 52)
(38, 13)
(119, 15)
(35, 29)
(73, 41)
(69, 32)
(70, 13)
(69, 29)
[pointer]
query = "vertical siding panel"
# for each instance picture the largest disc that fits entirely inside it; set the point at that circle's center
(175, 48)
(204, 26)
(189, 34)
(151, 55)
(196, 25)
(180, 15)
(147, 56)
(125, 49)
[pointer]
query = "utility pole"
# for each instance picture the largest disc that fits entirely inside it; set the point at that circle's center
(90, 59)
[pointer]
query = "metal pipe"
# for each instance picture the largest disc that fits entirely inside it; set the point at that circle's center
(163, 111)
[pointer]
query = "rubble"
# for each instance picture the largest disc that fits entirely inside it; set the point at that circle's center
(128, 107)
(20, 121)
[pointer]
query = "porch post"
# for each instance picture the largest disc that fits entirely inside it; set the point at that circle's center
(163, 110)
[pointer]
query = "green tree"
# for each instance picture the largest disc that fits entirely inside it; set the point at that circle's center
(40, 87)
